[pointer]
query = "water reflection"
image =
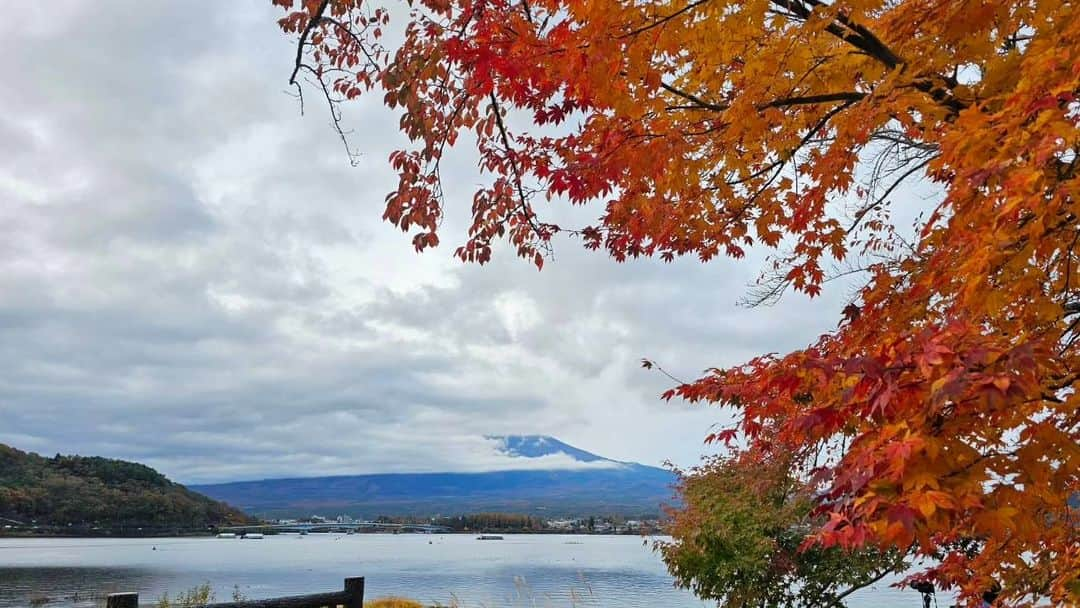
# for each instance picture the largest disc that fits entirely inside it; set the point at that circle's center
(67, 586)
(526, 571)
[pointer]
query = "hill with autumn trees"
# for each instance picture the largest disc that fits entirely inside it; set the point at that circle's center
(87, 493)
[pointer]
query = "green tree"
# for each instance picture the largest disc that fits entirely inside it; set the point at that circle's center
(740, 538)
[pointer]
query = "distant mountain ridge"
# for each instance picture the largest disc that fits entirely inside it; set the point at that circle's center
(602, 486)
(100, 493)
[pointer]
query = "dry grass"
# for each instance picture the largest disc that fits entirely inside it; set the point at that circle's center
(392, 602)
(192, 598)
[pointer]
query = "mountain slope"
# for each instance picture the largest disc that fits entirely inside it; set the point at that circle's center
(90, 491)
(603, 487)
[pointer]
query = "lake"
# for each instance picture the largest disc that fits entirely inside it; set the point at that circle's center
(533, 571)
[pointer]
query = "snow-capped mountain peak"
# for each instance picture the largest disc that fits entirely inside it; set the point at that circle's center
(540, 446)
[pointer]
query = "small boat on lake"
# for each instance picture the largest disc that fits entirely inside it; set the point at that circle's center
(253, 536)
(226, 535)
(489, 537)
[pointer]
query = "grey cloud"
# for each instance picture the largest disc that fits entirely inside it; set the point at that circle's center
(192, 275)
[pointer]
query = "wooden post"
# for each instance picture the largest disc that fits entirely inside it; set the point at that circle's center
(122, 600)
(355, 588)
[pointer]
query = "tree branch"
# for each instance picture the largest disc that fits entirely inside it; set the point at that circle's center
(315, 18)
(665, 19)
(805, 100)
(881, 199)
(838, 599)
(693, 98)
(523, 201)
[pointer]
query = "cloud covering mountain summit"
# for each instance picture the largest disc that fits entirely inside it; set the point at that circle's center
(542, 480)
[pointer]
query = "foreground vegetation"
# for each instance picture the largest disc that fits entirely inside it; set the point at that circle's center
(199, 596)
(741, 538)
(393, 602)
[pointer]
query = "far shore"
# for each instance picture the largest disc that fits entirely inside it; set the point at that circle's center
(175, 533)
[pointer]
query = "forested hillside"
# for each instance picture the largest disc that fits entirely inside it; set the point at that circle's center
(99, 492)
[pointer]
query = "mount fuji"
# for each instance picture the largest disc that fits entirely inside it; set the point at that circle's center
(539, 475)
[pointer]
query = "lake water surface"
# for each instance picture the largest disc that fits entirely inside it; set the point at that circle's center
(521, 571)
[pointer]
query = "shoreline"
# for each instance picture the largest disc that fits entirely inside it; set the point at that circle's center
(208, 534)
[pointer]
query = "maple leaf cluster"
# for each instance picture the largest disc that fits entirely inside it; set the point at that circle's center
(941, 415)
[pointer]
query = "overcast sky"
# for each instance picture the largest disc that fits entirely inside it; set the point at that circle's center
(192, 276)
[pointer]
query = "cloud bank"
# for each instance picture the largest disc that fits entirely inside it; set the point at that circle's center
(192, 275)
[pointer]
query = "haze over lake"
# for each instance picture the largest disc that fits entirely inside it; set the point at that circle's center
(517, 572)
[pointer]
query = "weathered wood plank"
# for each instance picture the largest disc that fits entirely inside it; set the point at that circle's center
(354, 587)
(315, 600)
(351, 597)
(122, 600)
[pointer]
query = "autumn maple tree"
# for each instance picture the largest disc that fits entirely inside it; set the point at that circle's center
(941, 415)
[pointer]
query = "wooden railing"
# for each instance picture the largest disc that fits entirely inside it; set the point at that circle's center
(351, 597)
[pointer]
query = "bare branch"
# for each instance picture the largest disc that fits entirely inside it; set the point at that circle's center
(303, 39)
(881, 199)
